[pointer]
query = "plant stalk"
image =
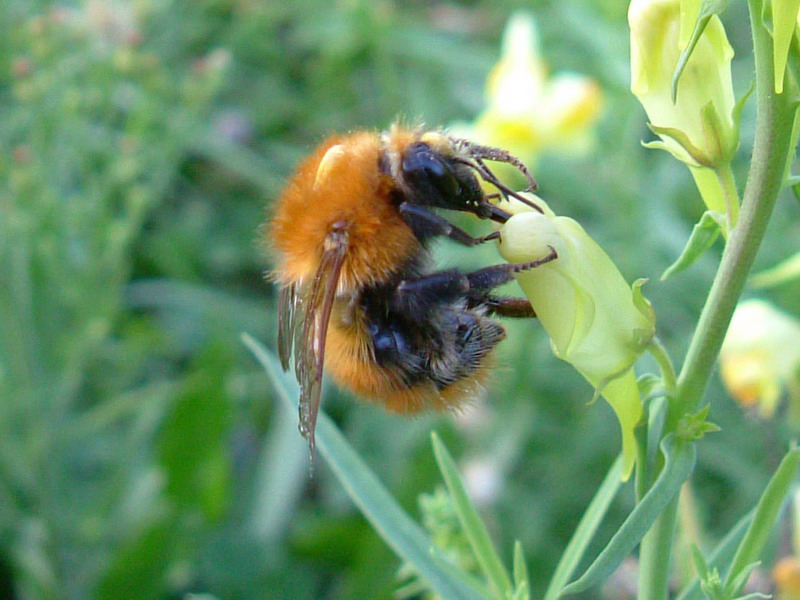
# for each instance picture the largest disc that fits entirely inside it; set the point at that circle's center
(655, 556)
(771, 149)
(774, 121)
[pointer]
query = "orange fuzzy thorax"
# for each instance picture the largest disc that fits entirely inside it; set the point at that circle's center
(346, 187)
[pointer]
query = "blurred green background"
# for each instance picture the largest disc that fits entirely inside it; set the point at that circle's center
(141, 452)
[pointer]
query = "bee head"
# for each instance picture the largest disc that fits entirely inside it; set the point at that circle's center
(434, 176)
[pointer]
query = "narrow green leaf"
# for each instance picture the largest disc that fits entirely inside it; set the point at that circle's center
(522, 585)
(700, 563)
(521, 578)
(657, 417)
(708, 9)
(741, 579)
(679, 463)
(719, 557)
(704, 234)
(281, 476)
(522, 592)
(393, 524)
(594, 515)
(471, 522)
(767, 510)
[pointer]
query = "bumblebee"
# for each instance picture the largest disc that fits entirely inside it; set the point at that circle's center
(358, 298)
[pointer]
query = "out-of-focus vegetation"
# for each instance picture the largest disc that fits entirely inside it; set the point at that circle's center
(141, 453)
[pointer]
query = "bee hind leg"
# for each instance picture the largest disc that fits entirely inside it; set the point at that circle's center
(507, 306)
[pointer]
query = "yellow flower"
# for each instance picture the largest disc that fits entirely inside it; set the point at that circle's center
(786, 575)
(595, 320)
(760, 355)
(697, 127)
(526, 111)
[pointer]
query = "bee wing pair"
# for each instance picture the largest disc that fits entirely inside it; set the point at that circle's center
(304, 313)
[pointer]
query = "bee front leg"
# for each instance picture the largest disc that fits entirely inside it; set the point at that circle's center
(426, 224)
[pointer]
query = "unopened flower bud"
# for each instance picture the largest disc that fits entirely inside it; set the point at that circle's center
(595, 320)
(698, 125)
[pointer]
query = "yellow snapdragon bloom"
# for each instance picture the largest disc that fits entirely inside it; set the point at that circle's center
(697, 127)
(786, 572)
(527, 111)
(786, 575)
(760, 355)
(595, 320)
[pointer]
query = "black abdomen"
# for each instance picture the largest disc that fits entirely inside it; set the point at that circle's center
(440, 341)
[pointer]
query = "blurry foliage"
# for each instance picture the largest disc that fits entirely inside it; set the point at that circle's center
(141, 455)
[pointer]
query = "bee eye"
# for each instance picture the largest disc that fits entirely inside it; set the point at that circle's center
(423, 167)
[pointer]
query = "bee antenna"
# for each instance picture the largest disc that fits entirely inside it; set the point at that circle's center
(479, 152)
(487, 175)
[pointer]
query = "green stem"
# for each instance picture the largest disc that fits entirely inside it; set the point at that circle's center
(773, 143)
(655, 556)
(771, 149)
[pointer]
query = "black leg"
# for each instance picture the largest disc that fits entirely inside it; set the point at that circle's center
(491, 277)
(426, 224)
(507, 306)
(416, 296)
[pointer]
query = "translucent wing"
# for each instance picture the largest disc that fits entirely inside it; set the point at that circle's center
(287, 322)
(303, 328)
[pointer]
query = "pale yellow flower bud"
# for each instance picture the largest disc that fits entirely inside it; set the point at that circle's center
(698, 127)
(705, 86)
(595, 321)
